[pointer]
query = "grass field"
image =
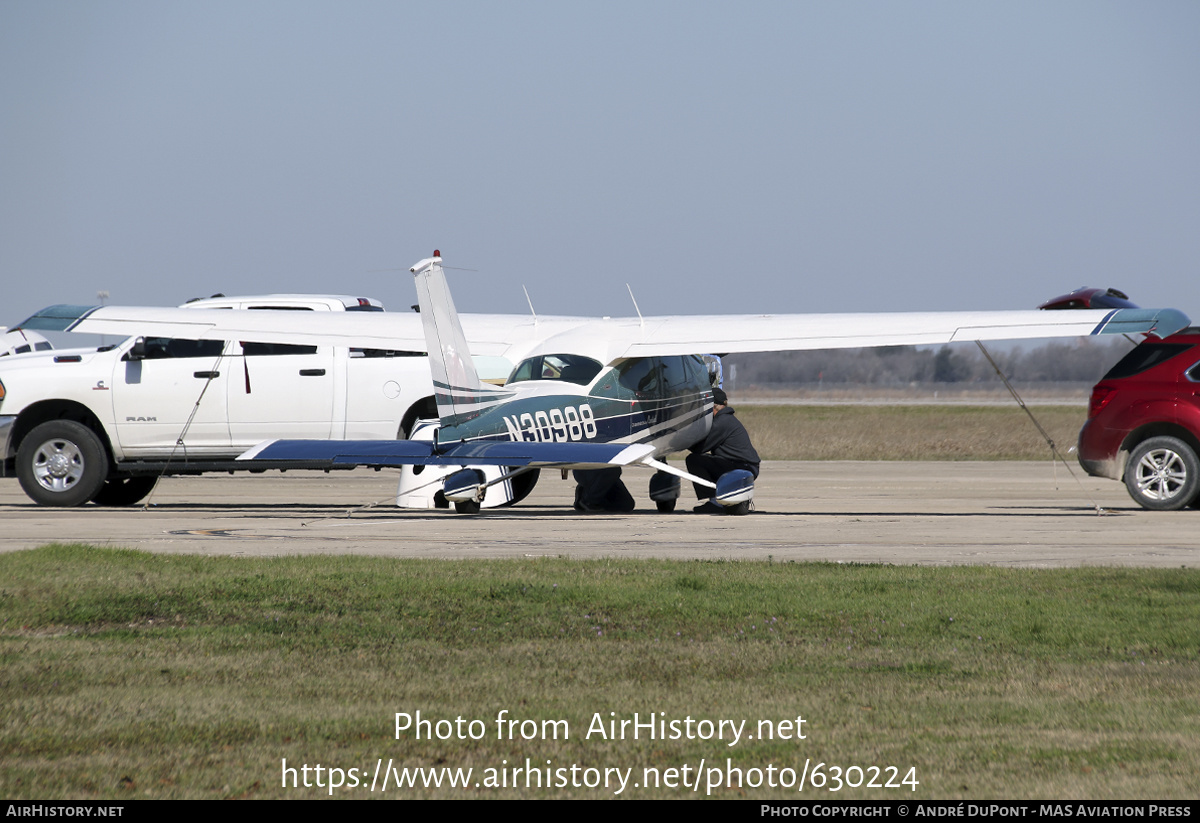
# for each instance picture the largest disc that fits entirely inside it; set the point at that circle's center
(129, 675)
(792, 432)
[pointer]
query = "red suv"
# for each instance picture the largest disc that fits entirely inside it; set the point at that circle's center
(1144, 423)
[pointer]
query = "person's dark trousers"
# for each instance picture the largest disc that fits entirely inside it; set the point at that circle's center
(603, 490)
(711, 468)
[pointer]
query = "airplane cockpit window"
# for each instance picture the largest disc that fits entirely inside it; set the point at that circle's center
(642, 375)
(569, 368)
(683, 375)
(654, 378)
(698, 372)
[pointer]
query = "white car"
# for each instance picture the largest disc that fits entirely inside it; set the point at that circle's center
(19, 341)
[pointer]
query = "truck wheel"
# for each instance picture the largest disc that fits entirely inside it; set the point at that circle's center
(1163, 474)
(124, 491)
(61, 463)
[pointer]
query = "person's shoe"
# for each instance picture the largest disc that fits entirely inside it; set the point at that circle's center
(709, 508)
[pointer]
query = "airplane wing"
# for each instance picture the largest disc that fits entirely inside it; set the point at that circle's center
(819, 331)
(610, 339)
(726, 334)
(378, 453)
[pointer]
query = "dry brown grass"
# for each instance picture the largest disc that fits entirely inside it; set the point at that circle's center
(908, 432)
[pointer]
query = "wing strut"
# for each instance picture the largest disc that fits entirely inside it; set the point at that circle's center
(663, 466)
(1054, 452)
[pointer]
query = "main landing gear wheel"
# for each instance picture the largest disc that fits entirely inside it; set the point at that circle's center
(1163, 473)
(664, 491)
(61, 463)
(522, 485)
(467, 506)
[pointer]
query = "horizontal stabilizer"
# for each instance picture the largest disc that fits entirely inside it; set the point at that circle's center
(423, 453)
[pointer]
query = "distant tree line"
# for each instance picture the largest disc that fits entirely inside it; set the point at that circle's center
(1075, 361)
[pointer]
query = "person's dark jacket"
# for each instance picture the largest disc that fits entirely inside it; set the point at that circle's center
(728, 440)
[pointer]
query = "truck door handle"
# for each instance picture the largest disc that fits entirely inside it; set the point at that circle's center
(312, 372)
(206, 374)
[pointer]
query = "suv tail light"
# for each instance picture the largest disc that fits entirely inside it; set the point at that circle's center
(1100, 397)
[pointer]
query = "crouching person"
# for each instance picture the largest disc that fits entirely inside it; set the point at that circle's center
(726, 448)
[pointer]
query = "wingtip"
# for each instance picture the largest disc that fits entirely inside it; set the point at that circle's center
(1169, 322)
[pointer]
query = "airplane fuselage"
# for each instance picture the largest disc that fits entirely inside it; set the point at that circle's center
(665, 402)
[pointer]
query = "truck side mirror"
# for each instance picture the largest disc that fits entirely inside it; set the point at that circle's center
(138, 351)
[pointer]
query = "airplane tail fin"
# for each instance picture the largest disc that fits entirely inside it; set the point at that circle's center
(459, 392)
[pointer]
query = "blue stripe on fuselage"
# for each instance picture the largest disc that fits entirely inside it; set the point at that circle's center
(579, 418)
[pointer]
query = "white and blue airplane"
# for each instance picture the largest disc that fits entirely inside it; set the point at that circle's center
(604, 395)
(586, 393)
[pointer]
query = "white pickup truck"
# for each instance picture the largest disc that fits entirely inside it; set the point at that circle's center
(103, 424)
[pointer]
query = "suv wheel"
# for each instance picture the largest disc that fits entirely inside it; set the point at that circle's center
(61, 463)
(1163, 473)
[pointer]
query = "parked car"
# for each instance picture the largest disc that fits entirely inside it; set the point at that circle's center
(19, 341)
(1143, 423)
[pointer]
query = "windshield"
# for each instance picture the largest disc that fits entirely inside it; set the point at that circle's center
(569, 368)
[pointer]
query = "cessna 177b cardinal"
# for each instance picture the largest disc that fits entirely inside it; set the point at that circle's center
(588, 398)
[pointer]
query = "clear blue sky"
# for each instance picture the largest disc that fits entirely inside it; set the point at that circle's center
(720, 157)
